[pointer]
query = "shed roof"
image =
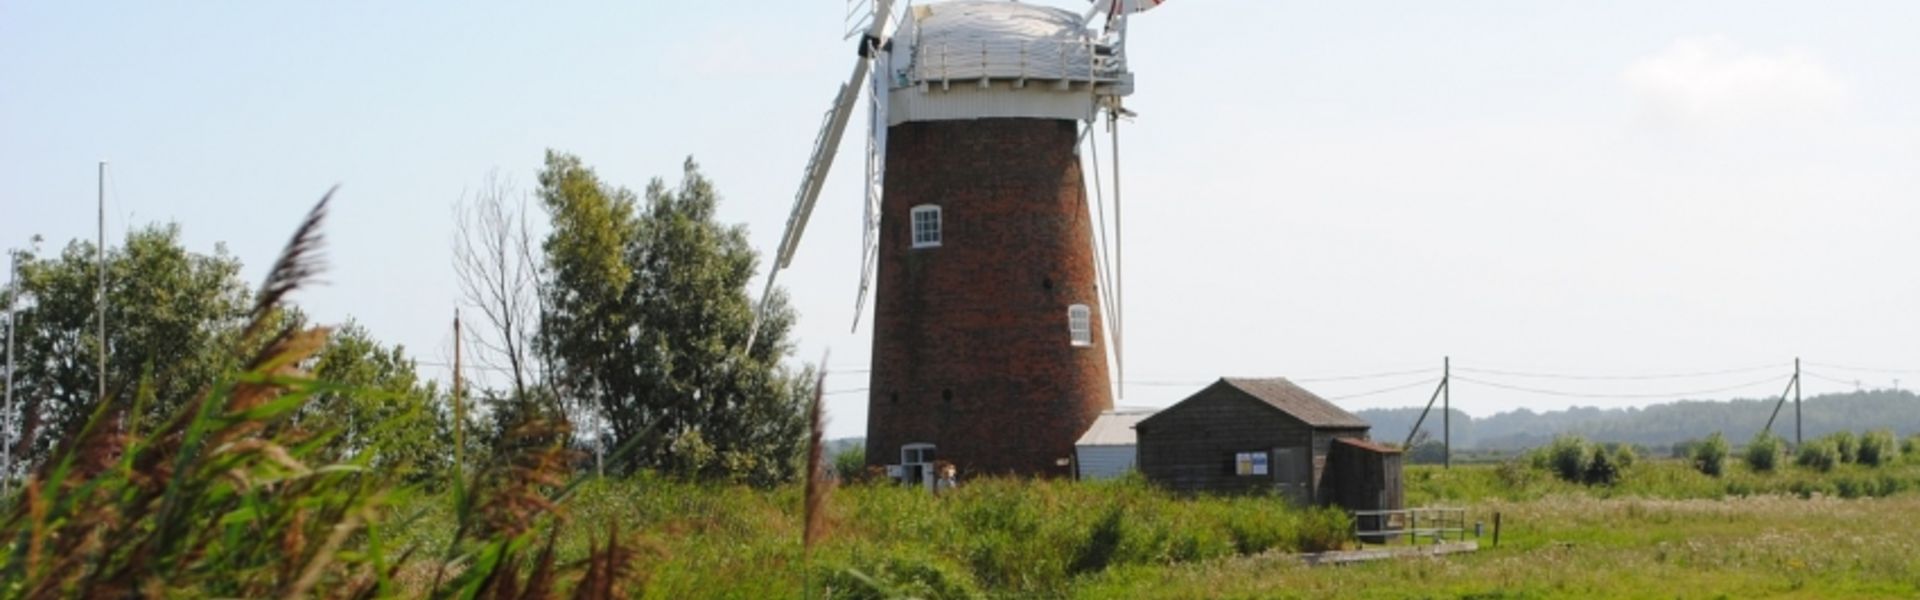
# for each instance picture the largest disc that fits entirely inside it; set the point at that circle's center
(1368, 445)
(1298, 402)
(1114, 427)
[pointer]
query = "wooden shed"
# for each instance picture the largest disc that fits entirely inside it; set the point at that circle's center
(1245, 435)
(1362, 475)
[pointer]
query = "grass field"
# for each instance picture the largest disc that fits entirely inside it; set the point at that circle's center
(1665, 531)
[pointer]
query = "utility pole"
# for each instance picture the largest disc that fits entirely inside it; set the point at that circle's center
(101, 305)
(1793, 385)
(13, 322)
(1444, 390)
(1446, 407)
(459, 408)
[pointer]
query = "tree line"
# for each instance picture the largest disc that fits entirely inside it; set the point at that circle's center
(627, 317)
(1660, 425)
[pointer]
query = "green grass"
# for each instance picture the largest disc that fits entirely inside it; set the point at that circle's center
(1665, 531)
(989, 538)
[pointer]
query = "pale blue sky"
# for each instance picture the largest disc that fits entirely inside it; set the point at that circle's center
(1312, 188)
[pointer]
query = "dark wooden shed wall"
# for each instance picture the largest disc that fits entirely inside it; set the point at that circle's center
(1362, 479)
(1190, 446)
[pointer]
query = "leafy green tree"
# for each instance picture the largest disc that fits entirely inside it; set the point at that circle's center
(172, 319)
(1877, 448)
(1819, 455)
(1710, 455)
(1763, 453)
(1569, 456)
(1846, 444)
(646, 317)
(392, 417)
(1602, 470)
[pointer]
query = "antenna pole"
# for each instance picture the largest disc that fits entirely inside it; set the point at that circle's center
(101, 303)
(1119, 261)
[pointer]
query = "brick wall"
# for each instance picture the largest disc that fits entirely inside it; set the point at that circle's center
(971, 350)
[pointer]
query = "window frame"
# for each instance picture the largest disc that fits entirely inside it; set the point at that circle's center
(913, 226)
(1080, 325)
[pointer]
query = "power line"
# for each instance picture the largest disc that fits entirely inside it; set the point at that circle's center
(1382, 375)
(1829, 379)
(1641, 377)
(1864, 369)
(1663, 395)
(1421, 383)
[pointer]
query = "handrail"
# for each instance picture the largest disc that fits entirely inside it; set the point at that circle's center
(1442, 523)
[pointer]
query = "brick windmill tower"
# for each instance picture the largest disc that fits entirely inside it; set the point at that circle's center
(989, 342)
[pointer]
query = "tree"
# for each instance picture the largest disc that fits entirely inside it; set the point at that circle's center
(646, 315)
(1710, 455)
(172, 319)
(1763, 453)
(494, 261)
(390, 416)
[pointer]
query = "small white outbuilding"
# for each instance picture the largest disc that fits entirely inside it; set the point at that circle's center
(1108, 450)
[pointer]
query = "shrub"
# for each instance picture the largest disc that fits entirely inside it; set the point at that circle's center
(1819, 455)
(1601, 470)
(851, 464)
(1624, 456)
(1763, 453)
(1876, 448)
(1568, 456)
(1846, 444)
(1683, 449)
(1710, 455)
(1323, 529)
(1912, 446)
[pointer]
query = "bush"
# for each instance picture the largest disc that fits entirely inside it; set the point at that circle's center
(1846, 444)
(1624, 456)
(1683, 449)
(851, 465)
(1819, 455)
(1601, 470)
(1710, 455)
(1763, 453)
(1568, 456)
(1323, 529)
(1876, 448)
(1912, 446)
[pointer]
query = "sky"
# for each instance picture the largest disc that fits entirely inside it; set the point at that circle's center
(1617, 194)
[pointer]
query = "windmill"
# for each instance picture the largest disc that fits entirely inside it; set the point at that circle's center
(989, 282)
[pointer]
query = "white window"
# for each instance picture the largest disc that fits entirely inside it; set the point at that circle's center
(1080, 324)
(926, 226)
(921, 453)
(1250, 463)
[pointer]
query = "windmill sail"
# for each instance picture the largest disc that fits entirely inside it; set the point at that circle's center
(876, 180)
(825, 146)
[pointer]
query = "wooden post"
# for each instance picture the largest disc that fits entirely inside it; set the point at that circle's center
(1496, 530)
(1796, 404)
(459, 409)
(1446, 407)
